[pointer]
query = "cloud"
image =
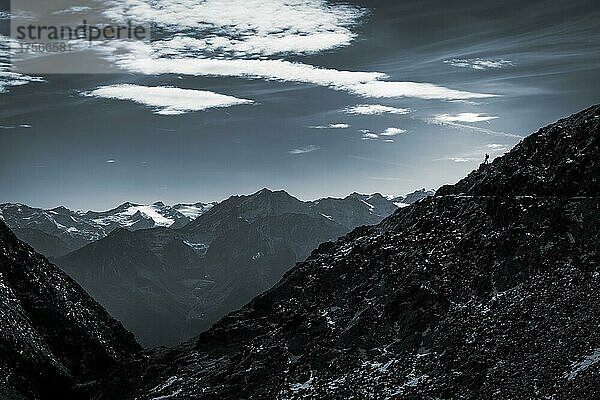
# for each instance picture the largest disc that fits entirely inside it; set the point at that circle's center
(142, 58)
(464, 117)
(167, 100)
(479, 63)
(250, 27)
(497, 147)
(461, 160)
(234, 39)
(471, 128)
(377, 88)
(368, 135)
(72, 10)
(303, 150)
(393, 132)
(331, 126)
(22, 126)
(9, 79)
(8, 76)
(111, 161)
(375, 109)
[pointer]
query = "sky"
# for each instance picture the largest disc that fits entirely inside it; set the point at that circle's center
(317, 98)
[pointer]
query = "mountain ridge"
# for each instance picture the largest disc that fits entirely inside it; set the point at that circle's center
(168, 285)
(544, 173)
(58, 231)
(473, 293)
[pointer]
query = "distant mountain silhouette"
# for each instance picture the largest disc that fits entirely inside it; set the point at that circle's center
(58, 231)
(167, 285)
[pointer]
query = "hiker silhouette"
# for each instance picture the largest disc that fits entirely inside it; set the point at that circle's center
(487, 159)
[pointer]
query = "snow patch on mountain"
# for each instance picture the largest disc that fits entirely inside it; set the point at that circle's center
(193, 211)
(153, 212)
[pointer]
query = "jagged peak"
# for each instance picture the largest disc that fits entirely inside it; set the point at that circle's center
(61, 209)
(269, 192)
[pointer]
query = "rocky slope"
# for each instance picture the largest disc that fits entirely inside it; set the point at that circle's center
(486, 291)
(559, 160)
(355, 210)
(413, 197)
(55, 340)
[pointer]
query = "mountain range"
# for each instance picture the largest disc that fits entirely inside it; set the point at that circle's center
(58, 231)
(486, 290)
(169, 284)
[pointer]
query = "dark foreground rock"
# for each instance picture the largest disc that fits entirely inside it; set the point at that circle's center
(55, 341)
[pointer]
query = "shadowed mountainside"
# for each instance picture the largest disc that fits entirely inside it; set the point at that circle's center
(168, 285)
(53, 336)
(483, 291)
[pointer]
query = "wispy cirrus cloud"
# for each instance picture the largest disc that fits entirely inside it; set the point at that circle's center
(304, 150)
(471, 128)
(461, 159)
(479, 63)
(497, 147)
(72, 10)
(167, 100)
(21, 126)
